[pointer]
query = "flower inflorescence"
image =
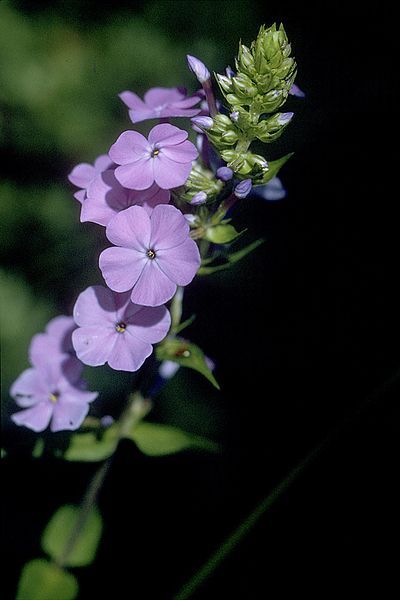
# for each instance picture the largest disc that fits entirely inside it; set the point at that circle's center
(159, 197)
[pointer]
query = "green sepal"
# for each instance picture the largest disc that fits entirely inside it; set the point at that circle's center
(41, 580)
(57, 534)
(155, 439)
(185, 354)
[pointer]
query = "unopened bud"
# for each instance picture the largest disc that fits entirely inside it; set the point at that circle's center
(243, 188)
(224, 173)
(296, 91)
(198, 68)
(234, 116)
(198, 199)
(284, 118)
(203, 122)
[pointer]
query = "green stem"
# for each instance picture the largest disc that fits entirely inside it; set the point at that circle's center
(176, 308)
(136, 410)
(245, 527)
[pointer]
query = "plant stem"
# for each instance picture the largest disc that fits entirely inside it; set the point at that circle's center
(176, 308)
(245, 527)
(136, 410)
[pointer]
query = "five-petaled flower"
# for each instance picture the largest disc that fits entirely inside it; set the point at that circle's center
(114, 330)
(153, 254)
(51, 392)
(107, 197)
(165, 158)
(84, 174)
(160, 103)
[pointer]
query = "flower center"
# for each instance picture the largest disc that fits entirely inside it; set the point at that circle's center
(151, 253)
(155, 152)
(120, 327)
(54, 397)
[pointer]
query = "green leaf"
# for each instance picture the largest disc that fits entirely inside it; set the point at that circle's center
(58, 531)
(231, 259)
(42, 580)
(154, 439)
(185, 354)
(185, 324)
(274, 168)
(87, 447)
(222, 234)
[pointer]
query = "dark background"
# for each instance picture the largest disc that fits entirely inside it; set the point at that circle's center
(302, 332)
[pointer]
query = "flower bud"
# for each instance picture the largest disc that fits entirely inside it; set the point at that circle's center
(224, 173)
(234, 116)
(198, 68)
(243, 188)
(229, 137)
(285, 118)
(198, 199)
(296, 91)
(203, 122)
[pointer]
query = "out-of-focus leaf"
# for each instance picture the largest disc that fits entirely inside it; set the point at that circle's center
(186, 354)
(274, 168)
(222, 234)
(42, 580)
(155, 439)
(185, 324)
(38, 448)
(87, 447)
(58, 532)
(231, 259)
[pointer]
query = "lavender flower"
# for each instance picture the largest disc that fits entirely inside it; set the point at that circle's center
(114, 330)
(108, 197)
(224, 173)
(55, 344)
(165, 158)
(84, 174)
(296, 91)
(272, 191)
(153, 254)
(51, 393)
(160, 102)
(243, 188)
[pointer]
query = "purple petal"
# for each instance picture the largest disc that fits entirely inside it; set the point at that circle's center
(224, 173)
(129, 147)
(138, 175)
(150, 325)
(28, 388)
(296, 91)
(167, 135)
(169, 228)
(158, 96)
(94, 343)
(243, 189)
(136, 116)
(173, 111)
(198, 68)
(153, 196)
(70, 372)
(181, 263)
(82, 175)
(80, 195)
(132, 100)
(36, 418)
(187, 102)
(153, 287)
(131, 228)
(272, 191)
(95, 306)
(128, 353)
(121, 267)
(181, 153)
(102, 163)
(68, 413)
(169, 174)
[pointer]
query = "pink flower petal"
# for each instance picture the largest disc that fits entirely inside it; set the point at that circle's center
(169, 227)
(181, 153)
(180, 263)
(36, 418)
(128, 354)
(167, 135)
(158, 96)
(132, 100)
(68, 414)
(93, 344)
(153, 287)
(150, 325)
(28, 388)
(138, 175)
(82, 175)
(121, 267)
(129, 147)
(169, 174)
(94, 306)
(130, 228)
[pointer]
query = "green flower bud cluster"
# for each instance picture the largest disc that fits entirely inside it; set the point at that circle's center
(265, 74)
(202, 180)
